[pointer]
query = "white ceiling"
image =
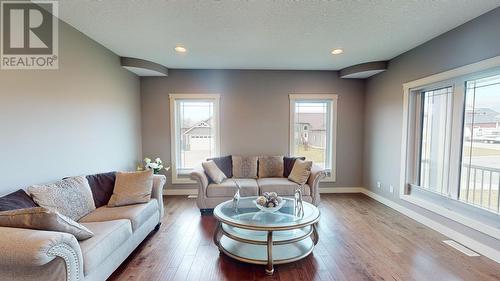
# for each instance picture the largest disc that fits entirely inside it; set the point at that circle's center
(266, 34)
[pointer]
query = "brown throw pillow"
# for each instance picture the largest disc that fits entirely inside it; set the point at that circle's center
(245, 167)
(213, 171)
(16, 200)
(270, 166)
(102, 186)
(288, 163)
(300, 172)
(40, 218)
(132, 188)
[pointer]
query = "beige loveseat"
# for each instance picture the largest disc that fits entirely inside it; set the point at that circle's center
(211, 194)
(27, 254)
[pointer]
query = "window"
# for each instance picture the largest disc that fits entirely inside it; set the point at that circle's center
(194, 132)
(480, 173)
(451, 145)
(313, 129)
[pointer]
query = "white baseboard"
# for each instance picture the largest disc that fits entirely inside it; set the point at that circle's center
(341, 190)
(180, 191)
(446, 231)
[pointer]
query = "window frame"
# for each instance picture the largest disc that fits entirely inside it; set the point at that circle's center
(174, 141)
(332, 144)
(468, 215)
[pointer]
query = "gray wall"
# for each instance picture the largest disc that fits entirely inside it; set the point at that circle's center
(255, 112)
(80, 119)
(474, 41)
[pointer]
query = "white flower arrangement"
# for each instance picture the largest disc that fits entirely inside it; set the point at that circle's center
(156, 165)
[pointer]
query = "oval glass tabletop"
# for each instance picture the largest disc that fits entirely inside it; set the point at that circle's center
(247, 215)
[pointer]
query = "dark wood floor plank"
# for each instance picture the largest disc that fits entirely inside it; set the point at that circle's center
(360, 239)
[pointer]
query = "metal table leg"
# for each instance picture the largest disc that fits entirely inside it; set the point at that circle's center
(270, 267)
(218, 234)
(315, 238)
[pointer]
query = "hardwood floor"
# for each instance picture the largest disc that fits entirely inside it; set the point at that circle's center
(360, 239)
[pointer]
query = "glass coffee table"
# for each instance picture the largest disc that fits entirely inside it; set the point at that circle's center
(249, 235)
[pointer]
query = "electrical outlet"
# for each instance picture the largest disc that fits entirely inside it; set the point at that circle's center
(379, 185)
(391, 188)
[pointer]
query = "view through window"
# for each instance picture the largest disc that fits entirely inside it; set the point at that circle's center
(194, 133)
(312, 126)
(480, 173)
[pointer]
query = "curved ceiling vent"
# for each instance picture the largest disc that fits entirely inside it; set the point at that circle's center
(363, 70)
(143, 67)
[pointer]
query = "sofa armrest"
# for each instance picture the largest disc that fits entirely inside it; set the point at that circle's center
(157, 192)
(33, 248)
(317, 174)
(198, 175)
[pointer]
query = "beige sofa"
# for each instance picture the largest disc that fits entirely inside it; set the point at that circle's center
(46, 255)
(211, 194)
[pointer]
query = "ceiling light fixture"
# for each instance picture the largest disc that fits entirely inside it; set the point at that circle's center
(337, 51)
(180, 49)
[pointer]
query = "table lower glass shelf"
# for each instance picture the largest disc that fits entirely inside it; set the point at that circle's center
(257, 254)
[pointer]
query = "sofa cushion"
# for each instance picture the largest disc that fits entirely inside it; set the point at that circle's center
(137, 214)
(301, 171)
(71, 197)
(16, 200)
(288, 163)
(270, 166)
(101, 186)
(108, 237)
(132, 188)
(225, 164)
(213, 172)
(43, 219)
(282, 186)
(245, 167)
(227, 188)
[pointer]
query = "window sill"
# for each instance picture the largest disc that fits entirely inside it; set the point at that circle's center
(444, 210)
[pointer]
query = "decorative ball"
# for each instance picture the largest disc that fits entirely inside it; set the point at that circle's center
(261, 200)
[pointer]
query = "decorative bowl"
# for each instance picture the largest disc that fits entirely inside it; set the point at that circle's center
(270, 209)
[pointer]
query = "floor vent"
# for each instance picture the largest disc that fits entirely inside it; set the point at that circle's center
(192, 196)
(461, 248)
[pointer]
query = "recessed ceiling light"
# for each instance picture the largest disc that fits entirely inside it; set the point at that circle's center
(180, 49)
(337, 51)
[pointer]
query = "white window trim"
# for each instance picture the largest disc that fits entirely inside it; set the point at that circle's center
(333, 136)
(406, 151)
(174, 144)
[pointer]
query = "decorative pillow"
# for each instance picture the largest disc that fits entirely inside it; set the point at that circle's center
(71, 197)
(288, 164)
(132, 188)
(301, 171)
(270, 166)
(213, 171)
(102, 186)
(225, 164)
(44, 219)
(245, 167)
(16, 200)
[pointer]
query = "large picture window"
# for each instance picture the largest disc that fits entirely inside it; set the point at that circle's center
(313, 129)
(451, 145)
(194, 132)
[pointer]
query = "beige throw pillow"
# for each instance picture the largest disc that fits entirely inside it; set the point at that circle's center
(71, 197)
(270, 166)
(132, 188)
(245, 167)
(40, 218)
(213, 171)
(300, 171)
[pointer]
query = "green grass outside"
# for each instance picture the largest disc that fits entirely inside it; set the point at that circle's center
(314, 154)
